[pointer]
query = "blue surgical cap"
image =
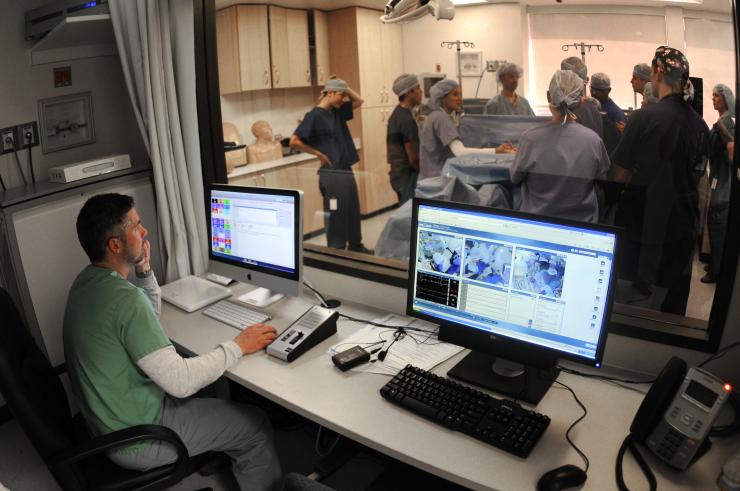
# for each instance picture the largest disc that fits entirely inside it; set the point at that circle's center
(440, 90)
(726, 93)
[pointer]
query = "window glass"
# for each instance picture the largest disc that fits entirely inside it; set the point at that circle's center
(353, 145)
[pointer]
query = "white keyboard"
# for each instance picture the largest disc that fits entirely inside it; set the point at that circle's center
(235, 315)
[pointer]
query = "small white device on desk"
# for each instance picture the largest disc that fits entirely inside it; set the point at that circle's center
(89, 168)
(315, 325)
(192, 293)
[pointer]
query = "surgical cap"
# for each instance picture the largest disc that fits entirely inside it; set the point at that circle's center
(335, 85)
(405, 83)
(648, 92)
(601, 81)
(566, 92)
(508, 69)
(675, 68)
(642, 71)
(440, 90)
(576, 65)
(726, 94)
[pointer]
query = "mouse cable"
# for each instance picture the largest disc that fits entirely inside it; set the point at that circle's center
(567, 433)
(316, 292)
(603, 377)
(719, 354)
(389, 326)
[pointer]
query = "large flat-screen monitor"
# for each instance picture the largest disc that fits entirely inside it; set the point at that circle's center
(519, 290)
(256, 236)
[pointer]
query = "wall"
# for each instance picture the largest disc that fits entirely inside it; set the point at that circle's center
(282, 108)
(22, 85)
(496, 30)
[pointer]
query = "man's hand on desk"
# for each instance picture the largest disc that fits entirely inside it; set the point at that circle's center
(255, 338)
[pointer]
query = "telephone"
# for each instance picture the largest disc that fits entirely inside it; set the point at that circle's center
(675, 418)
(315, 325)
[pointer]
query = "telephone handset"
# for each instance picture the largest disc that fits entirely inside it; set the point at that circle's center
(675, 418)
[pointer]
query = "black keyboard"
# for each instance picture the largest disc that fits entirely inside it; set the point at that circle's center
(499, 422)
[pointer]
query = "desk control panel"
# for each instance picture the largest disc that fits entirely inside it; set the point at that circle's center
(499, 422)
(315, 325)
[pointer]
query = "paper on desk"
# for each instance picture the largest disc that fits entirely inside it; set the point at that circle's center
(416, 348)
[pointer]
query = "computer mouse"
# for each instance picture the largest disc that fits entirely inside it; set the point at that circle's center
(567, 476)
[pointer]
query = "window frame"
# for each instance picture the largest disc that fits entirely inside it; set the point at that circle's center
(391, 272)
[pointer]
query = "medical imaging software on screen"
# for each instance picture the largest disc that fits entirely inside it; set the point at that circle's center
(255, 229)
(530, 280)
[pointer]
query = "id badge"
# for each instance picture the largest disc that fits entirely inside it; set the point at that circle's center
(714, 184)
(333, 204)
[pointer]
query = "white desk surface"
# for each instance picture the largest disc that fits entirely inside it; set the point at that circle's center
(349, 403)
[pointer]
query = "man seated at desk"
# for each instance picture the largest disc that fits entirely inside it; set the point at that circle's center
(125, 371)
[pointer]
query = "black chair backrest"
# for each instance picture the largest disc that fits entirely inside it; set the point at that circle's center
(30, 386)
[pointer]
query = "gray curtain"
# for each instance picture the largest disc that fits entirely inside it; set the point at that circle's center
(156, 45)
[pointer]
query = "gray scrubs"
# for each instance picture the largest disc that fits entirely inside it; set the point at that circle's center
(556, 166)
(439, 131)
(500, 105)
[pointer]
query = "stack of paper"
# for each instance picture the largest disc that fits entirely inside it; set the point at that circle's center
(421, 349)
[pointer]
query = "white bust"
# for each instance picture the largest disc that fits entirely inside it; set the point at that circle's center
(264, 148)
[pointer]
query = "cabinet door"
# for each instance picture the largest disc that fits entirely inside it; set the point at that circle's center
(227, 46)
(392, 60)
(299, 60)
(278, 21)
(370, 57)
(313, 202)
(321, 40)
(375, 188)
(254, 48)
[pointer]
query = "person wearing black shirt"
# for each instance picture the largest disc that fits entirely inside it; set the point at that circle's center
(325, 134)
(403, 138)
(660, 158)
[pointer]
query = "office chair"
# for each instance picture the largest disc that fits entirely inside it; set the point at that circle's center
(298, 482)
(36, 398)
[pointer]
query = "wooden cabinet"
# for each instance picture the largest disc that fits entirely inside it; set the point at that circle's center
(289, 52)
(368, 55)
(261, 47)
(322, 70)
(243, 48)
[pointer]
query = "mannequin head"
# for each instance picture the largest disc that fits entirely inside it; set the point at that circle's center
(262, 131)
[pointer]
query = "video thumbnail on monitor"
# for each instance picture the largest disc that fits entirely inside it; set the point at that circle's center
(539, 272)
(489, 262)
(439, 252)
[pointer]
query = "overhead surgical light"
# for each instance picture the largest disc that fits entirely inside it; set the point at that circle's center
(408, 10)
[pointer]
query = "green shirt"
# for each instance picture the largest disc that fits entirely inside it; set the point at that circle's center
(109, 325)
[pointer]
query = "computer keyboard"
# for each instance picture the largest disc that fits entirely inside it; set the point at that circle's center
(499, 422)
(235, 315)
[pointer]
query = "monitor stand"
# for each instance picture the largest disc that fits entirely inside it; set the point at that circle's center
(521, 382)
(260, 297)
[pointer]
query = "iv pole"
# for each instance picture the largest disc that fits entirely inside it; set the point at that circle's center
(458, 43)
(583, 46)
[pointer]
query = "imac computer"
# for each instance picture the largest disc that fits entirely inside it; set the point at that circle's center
(256, 236)
(520, 290)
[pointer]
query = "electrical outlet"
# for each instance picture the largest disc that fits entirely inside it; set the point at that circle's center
(7, 140)
(491, 65)
(21, 132)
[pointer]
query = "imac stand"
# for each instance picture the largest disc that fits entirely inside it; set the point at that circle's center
(260, 297)
(522, 382)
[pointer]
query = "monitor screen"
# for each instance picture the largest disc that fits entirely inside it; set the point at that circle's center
(256, 229)
(526, 280)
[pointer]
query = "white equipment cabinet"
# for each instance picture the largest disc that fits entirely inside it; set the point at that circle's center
(40, 255)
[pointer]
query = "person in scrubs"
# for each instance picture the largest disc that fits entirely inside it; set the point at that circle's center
(720, 176)
(640, 77)
(558, 163)
(508, 102)
(587, 112)
(440, 139)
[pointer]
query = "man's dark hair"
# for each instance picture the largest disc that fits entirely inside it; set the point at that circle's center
(402, 97)
(98, 220)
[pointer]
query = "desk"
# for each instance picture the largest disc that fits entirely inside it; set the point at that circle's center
(349, 403)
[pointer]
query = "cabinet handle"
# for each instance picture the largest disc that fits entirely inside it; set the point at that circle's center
(267, 78)
(321, 74)
(264, 181)
(254, 181)
(308, 75)
(275, 74)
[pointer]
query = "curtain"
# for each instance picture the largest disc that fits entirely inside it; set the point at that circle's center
(155, 42)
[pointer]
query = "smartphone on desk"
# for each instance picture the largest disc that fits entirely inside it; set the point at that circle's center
(313, 326)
